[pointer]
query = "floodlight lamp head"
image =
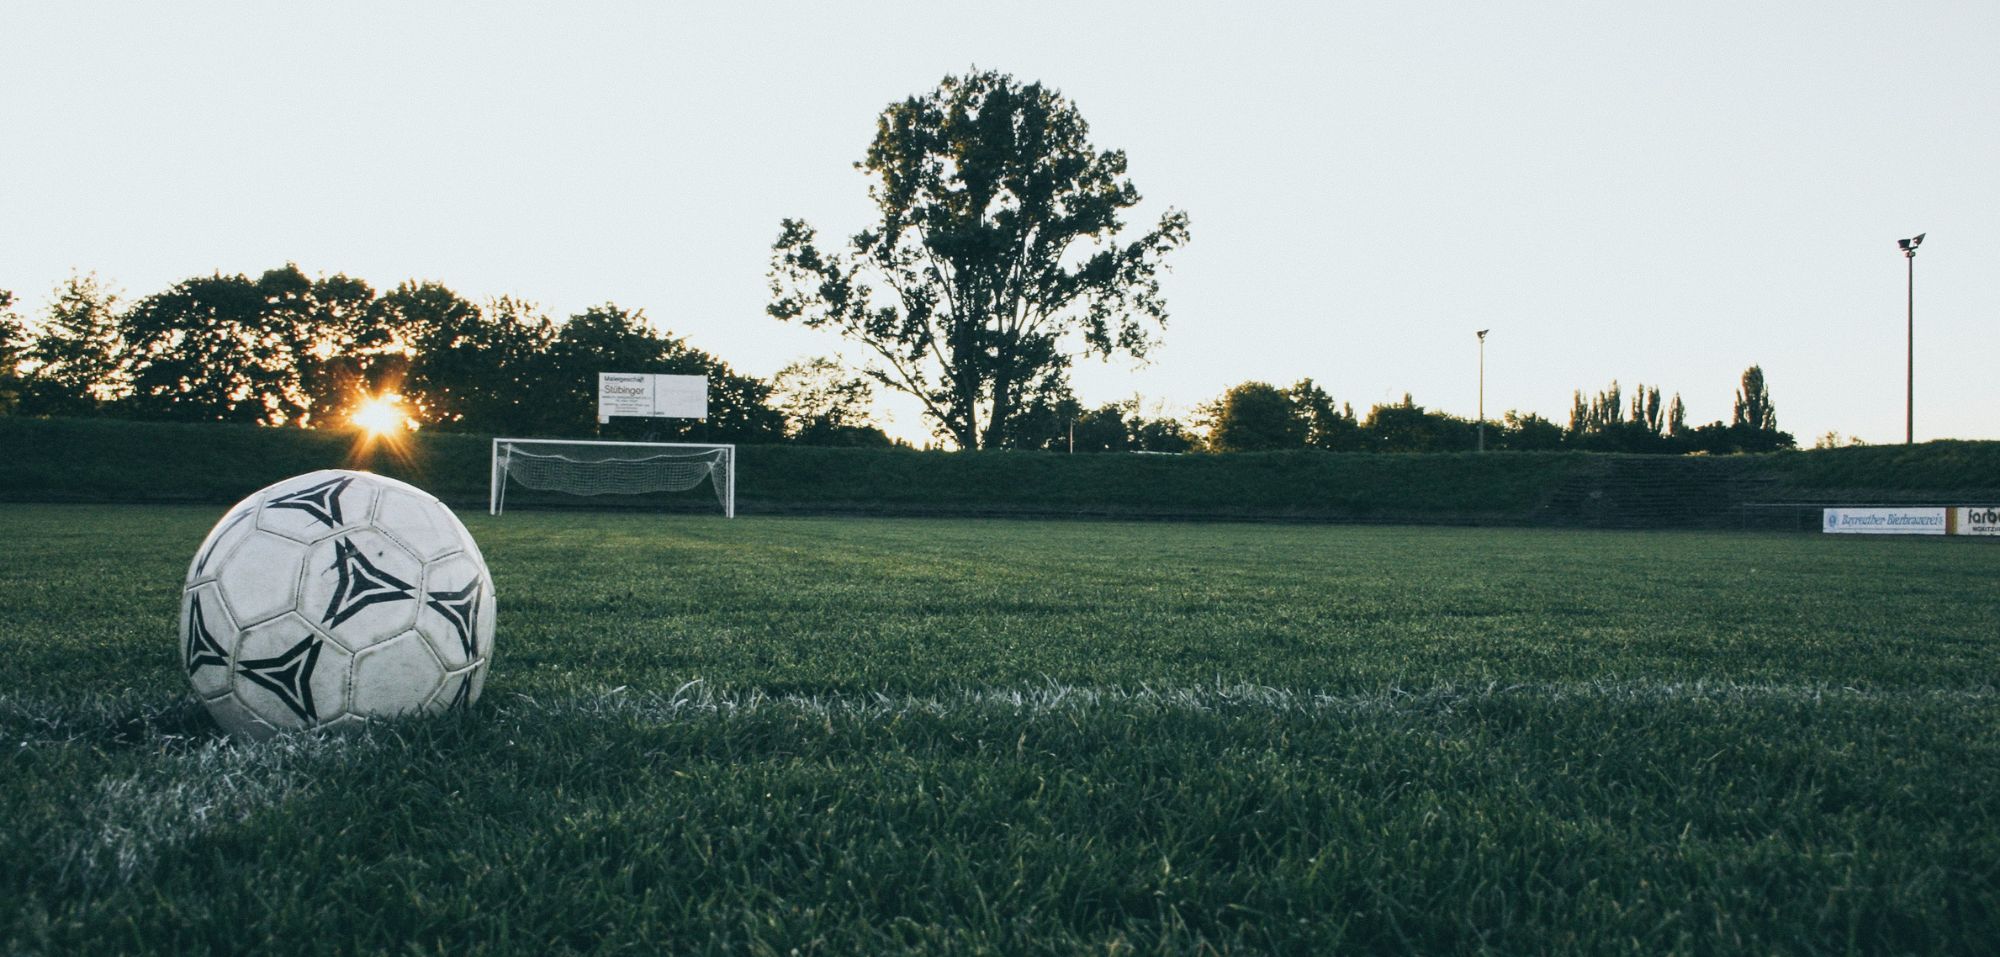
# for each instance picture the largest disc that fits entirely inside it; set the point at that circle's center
(1482, 334)
(1903, 244)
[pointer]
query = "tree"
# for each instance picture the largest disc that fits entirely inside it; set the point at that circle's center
(1646, 410)
(1604, 424)
(1408, 427)
(1000, 255)
(13, 349)
(1106, 428)
(1753, 420)
(468, 368)
(343, 348)
(824, 405)
(280, 350)
(1254, 417)
(1161, 435)
(1528, 432)
(202, 351)
(73, 365)
(1753, 409)
(1323, 425)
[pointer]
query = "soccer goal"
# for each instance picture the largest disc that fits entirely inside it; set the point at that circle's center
(611, 468)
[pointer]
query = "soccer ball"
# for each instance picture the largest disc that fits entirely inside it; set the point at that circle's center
(335, 598)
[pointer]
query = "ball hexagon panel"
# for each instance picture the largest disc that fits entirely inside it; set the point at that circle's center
(396, 677)
(208, 635)
(361, 587)
(237, 718)
(226, 534)
(457, 692)
(259, 578)
(347, 722)
(456, 607)
(312, 506)
(290, 675)
(419, 522)
(478, 682)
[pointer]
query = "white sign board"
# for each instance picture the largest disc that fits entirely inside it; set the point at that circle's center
(1886, 521)
(1977, 520)
(651, 396)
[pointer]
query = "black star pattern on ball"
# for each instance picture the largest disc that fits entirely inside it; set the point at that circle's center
(321, 501)
(202, 648)
(288, 675)
(361, 584)
(461, 700)
(461, 608)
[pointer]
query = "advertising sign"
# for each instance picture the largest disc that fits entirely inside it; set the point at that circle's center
(1917, 520)
(1977, 520)
(651, 396)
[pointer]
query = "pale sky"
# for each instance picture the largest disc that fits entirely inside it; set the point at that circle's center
(1661, 193)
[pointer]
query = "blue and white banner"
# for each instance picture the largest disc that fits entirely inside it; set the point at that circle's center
(1887, 521)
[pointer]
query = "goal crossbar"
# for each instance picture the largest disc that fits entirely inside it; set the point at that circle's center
(597, 467)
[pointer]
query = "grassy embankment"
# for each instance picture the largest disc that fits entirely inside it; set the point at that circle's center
(104, 461)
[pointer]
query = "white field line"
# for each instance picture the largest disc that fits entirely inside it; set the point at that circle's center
(126, 821)
(189, 787)
(129, 820)
(696, 699)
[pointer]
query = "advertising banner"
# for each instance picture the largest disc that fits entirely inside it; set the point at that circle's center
(1918, 520)
(1977, 520)
(651, 396)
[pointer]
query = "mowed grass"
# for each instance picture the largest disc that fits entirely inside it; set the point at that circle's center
(846, 736)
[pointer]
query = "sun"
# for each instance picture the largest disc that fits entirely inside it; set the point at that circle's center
(381, 415)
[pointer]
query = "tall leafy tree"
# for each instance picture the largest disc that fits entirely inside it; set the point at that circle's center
(825, 404)
(1528, 432)
(13, 349)
(1754, 409)
(1753, 422)
(342, 347)
(74, 363)
(282, 349)
(1107, 428)
(205, 350)
(1325, 426)
(1163, 434)
(1000, 255)
(467, 368)
(1408, 427)
(1254, 417)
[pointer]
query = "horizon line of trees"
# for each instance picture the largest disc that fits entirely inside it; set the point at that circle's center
(1256, 416)
(288, 350)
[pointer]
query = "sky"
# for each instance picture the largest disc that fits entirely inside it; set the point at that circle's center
(1653, 193)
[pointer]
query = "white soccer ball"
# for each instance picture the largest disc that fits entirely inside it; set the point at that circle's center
(335, 598)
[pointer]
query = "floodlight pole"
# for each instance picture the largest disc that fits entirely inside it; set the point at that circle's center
(1909, 247)
(1482, 388)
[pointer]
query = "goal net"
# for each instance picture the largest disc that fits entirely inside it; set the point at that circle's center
(611, 468)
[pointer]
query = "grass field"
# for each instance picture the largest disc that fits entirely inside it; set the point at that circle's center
(846, 736)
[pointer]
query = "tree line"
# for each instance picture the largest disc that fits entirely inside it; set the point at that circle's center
(1259, 416)
(285, 349)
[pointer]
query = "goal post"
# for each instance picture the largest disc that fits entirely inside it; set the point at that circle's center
(579, 467)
